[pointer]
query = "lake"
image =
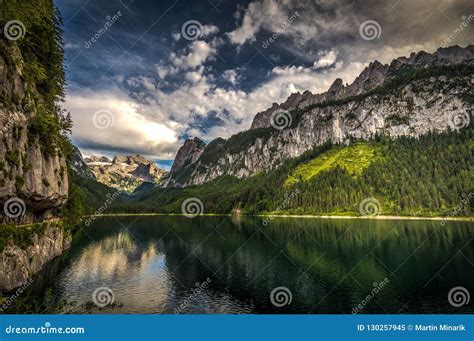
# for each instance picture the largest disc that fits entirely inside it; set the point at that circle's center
(223, 264)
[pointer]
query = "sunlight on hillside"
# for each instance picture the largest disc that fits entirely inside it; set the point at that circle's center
(354, 159)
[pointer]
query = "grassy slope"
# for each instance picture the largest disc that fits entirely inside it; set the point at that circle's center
(354, 158)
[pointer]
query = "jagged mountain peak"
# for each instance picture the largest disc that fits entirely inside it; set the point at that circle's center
(78, 164)
(188, 153)
(336, 88)
(186, 156)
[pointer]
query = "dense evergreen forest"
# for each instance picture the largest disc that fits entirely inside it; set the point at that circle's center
(425, 176)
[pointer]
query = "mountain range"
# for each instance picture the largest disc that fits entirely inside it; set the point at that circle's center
(124, 172)
(410, 96)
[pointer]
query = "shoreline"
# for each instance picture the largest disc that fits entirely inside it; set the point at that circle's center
(377, 217)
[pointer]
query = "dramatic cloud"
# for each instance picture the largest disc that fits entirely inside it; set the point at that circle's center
(162, 87)
(112, 122)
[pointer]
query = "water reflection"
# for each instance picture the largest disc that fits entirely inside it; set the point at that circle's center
(330, 266)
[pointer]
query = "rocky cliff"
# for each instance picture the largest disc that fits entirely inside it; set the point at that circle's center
(78, 165)
(29, 175)
(18, 264)
(411, 96)
(34, 144)
(124, 173)
(185, 158)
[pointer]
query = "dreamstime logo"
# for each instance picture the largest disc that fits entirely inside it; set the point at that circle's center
(102, 208)
(281, 119)
(103, 119)
(464, 23)
(200, 287)
(10, 300)
(459, 207)
(103, 296)
(286, 202)
(191, 30)
(14, 30)
(370, 30)
(14, 207)
(192, 207)
(283, 28)
(371, 295)
(458, 296)
(281, 296)
(110, 20)
(457, 121)
(369, 207)
(11, 122)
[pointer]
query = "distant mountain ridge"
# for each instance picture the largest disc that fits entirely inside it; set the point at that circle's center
(408, 97)
(94, 159)
(124, 172)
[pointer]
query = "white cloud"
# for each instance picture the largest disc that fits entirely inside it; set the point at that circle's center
(257, 14)
(194, 76)
(200, 52)
(131, 129)
(230, 76)
(71, 46)
(200, 95)
(146, 82)
(196, 54)
(327, 58)
(209, 30)
(176, 36)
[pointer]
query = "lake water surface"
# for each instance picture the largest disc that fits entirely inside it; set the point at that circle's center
(173, 264)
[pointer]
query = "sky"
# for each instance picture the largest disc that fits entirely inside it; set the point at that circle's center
(144, 75)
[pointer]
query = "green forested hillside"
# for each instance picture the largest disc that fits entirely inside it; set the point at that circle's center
(423, 176)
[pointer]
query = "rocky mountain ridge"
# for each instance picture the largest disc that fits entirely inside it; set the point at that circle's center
(411, 96)
(94, 158)
(373, 76)
(124, 172)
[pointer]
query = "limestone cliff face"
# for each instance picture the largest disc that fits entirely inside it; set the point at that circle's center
(189, 153)
(38, 179)
(17, 265)
(409, 97)
(187, 156)
(370, 78)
